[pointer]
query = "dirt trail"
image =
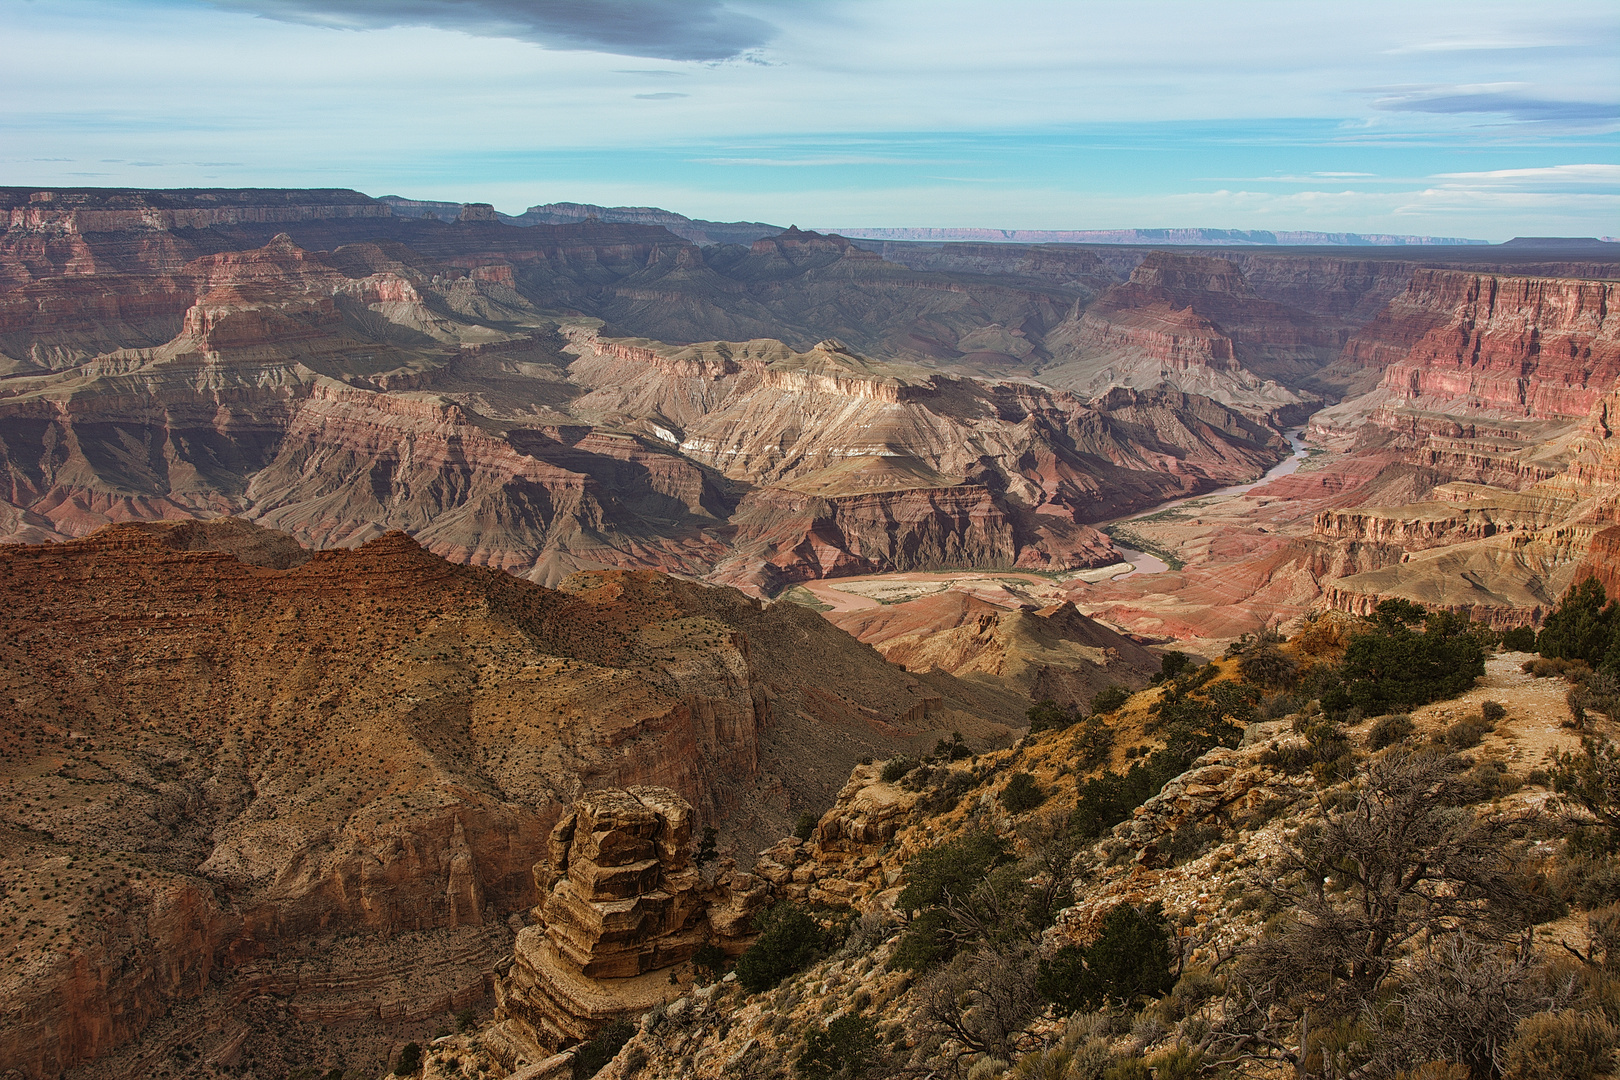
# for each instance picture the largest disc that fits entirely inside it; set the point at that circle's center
(1533, 732)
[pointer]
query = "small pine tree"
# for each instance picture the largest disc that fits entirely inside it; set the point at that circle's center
(789, 941)
(1129, 961)
(1022, 794)
(410, 1060)
(1109, 699)
(708, 849)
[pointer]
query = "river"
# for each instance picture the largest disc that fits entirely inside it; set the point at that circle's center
(1143, 562)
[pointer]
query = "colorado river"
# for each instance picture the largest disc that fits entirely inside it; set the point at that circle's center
(1143, 562)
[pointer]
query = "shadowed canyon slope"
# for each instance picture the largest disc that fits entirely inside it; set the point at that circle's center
(224, 754)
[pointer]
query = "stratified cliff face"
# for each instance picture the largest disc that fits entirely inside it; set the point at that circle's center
(861, 466)
(1195, 322)
(1516, 346)
(224, 753)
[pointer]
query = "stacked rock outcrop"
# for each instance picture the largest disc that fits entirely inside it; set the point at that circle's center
(624, 902)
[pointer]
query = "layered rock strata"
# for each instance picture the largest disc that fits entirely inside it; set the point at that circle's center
(625, 904)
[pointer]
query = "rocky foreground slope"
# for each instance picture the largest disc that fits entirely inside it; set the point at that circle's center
(1460, 859)
(243, 781)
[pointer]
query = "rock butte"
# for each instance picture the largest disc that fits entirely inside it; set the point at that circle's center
(623, 905)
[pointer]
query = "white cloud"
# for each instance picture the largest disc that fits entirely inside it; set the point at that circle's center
(1548, 175)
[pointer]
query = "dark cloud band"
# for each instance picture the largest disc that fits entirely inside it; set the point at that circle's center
(661, 29)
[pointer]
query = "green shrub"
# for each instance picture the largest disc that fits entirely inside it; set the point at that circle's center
(1022, 794)
(1109, 699)
(847, 1047)
(789, 941)
(1519, 639)
(1172, 664)
(923, 944)
(466, 1020)
(602, 1048)
(1048, 715)
(709, 962)
(896, 767)
(956, 866)
(1493, 711)
(805, 825)
(1389, 730)
(1129, 960)
(1582, 627)
(1131, 1068)
(1394, 667)
(1560, 1046)
(410, 1060)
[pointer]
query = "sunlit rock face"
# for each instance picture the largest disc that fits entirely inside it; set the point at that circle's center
(623, 904)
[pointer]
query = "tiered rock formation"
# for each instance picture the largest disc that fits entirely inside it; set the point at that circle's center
(624, 904)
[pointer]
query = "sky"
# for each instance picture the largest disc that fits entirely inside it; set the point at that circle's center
(1478, 119)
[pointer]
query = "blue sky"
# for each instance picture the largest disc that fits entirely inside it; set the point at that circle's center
(1473, 119)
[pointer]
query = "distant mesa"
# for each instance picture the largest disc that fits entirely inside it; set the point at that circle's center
(1564, 243)
(1157, 237)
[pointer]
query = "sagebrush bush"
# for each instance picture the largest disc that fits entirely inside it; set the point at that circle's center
(1389, 730)
(987, 1068)
(1177, 1063)
(1131, 1068)
(1492, 711)
(1466, 733)
(1268, 666)
(1560, 1046)
(1091, 1060)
